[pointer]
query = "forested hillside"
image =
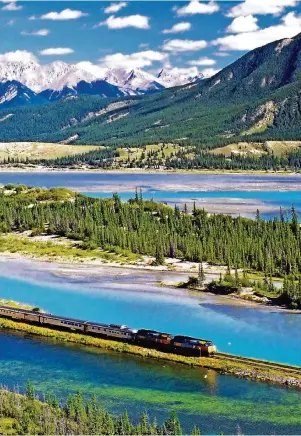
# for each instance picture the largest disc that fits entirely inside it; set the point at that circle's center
(256, 98)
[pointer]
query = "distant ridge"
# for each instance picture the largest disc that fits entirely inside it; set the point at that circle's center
(258, 97)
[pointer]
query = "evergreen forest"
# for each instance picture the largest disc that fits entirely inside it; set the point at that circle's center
(27, 415)
(153, 229)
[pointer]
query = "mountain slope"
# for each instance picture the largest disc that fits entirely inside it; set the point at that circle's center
(98, 87)
(258, 96)
(13, 93)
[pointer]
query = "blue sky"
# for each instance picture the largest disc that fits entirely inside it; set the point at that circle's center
(143, 34)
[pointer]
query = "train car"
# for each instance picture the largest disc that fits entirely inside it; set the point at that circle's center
(112, 331)
(193, 346)
(154, 338)
(63, 322)
(10, 312)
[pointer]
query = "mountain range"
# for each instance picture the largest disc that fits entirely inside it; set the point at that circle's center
(58, 80)
(257, 97)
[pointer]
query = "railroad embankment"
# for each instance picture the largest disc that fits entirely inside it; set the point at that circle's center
(240, 367)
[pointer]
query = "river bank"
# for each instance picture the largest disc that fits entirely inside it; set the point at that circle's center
(222, 365)
(85, 169)
(79, 264)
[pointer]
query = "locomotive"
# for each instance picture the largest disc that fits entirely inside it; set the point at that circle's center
(148, 338)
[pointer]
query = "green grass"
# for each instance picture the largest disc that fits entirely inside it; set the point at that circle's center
(15, 304)
(50, 250)
(8, 426)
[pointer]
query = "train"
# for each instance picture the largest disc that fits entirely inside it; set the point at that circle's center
(178, 344)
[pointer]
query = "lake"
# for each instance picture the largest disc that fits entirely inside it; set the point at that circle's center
(216, 403)
(227, 193)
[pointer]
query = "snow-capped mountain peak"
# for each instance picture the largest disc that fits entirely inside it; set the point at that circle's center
(136, 80)
(178, 76)
(13, 93)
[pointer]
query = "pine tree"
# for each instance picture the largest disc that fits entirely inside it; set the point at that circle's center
(201, 275)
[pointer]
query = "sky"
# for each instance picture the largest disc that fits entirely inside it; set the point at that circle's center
(202, 36)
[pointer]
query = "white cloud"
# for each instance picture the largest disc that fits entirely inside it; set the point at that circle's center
(183, 45)
(197, 7)
(290, 26)
(243, 24)
(178, 28)
(144, 45)
(10, 22)
(18, 56)
(32, 18)
(40, 32)
(66, 14)
(58, 51)
(114, 7)
(138, 21)
(134, 60)
(209, 72)
(260, 7)
(96, 70)
(204, 61)
(11, 6)
(221, 54)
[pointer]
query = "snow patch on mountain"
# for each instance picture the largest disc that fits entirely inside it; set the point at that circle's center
(59, 75)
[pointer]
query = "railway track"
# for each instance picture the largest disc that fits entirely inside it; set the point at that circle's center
(291, 369)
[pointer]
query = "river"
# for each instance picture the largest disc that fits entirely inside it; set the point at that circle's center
(132, 298)
(216, 403)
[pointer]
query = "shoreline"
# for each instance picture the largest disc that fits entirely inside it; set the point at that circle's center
(42, 169)
(223, 365)
(85, 266)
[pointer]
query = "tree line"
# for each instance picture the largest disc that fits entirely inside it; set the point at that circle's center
(26, 414)
(154, 229)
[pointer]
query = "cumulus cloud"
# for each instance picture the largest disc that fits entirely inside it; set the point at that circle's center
(11, 6)
(290, 26)
(138, 21)
(18, 56)
(10, 23)
(134, 60)
(178, 28)
(66, 14)
(40, 32)
(96, 70)
(197, 7)
(183, 45)
(58, 51)
(260, 7)
(243, 24)
(204, 61)
(114, 7)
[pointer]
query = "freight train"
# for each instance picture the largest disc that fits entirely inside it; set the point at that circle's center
(148, 338)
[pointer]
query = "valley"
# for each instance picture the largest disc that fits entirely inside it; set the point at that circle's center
(139, 188)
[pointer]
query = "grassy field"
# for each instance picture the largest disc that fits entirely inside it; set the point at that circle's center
(161, 151)
(278, 148)
(37, 150)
